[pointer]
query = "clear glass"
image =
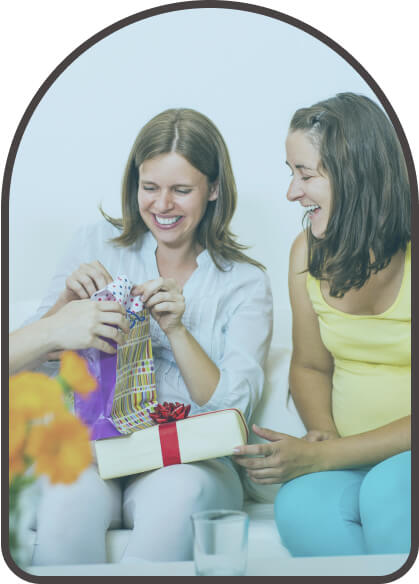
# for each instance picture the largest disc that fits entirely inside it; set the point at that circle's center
(220, 542)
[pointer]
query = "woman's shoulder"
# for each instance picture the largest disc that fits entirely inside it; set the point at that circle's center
(299, 253)
(247, 274)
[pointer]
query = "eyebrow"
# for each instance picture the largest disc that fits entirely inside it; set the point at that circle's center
(150, 182)
(301, 166)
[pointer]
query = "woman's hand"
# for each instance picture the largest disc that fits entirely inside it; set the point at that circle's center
(165, 300)
(82, 324)
(85, 281)
(320, 435)
(283, 458)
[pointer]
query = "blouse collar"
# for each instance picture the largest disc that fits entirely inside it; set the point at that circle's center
(150, 247)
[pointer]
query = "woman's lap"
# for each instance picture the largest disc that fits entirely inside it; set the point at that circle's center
(72, 520)
(347, 512)
(159, 506)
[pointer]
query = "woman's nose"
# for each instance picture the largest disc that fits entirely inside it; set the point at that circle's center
(165, 201)
(295, 190)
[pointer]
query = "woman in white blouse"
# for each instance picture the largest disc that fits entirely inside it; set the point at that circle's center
(211, 330)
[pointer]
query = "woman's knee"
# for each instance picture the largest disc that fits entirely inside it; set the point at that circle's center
(303, 497)
(388, 480)
(189, 487)
(87, 497)
(313, 505)
(385, 505)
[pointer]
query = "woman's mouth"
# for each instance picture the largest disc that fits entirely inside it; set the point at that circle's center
(167, 222)
(312, 210)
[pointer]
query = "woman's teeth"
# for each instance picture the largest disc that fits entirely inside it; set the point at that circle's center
(167, 220)
(312, 208)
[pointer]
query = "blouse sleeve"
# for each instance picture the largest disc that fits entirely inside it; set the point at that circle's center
(247, 341)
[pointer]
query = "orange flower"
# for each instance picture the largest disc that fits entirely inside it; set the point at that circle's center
(17, 437)
(34, 395)
(60, 449)
(74, 372)
(17, 432)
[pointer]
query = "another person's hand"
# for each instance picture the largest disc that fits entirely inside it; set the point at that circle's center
(283, 458)
(165, 300)
(85, 281)
(82, 324)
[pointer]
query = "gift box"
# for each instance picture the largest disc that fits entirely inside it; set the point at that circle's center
(198, 437)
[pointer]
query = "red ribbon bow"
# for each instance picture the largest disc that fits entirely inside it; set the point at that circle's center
(170, 412)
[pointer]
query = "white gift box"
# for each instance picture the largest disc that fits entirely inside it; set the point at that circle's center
(199, 437)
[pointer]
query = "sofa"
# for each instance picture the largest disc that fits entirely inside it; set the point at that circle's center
(276, 411)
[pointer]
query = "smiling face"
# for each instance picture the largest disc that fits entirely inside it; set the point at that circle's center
(172, 198)
(310, 185)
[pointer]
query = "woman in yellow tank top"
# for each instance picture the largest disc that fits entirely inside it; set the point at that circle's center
(347, 481)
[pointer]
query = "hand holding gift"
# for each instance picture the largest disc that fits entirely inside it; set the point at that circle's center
(164, 298)
(126, 391)
(85, 281)
(82, 324)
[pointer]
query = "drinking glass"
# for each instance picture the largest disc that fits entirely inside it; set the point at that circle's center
(220, 542)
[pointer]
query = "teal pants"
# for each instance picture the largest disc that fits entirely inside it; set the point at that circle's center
(347, 512)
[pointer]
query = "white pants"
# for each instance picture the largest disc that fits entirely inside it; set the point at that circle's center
(72, 520)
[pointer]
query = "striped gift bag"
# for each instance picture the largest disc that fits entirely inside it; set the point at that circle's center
(135, 387)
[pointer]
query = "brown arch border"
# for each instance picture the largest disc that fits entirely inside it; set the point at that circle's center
(244, 7)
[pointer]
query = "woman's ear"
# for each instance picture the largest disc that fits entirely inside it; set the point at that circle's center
(213, 194)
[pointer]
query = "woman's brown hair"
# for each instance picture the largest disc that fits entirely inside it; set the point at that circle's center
(196, 138)
(370, 215)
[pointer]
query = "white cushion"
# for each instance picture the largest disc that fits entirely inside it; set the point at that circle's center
(263, 535)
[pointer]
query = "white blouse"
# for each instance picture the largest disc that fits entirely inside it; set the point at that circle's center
(229, 314)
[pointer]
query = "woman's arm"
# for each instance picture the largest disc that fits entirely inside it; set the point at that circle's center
(237, 379)
(78, 325)
(311, 367)
(165, 300)
(285, 457)
(200, 374)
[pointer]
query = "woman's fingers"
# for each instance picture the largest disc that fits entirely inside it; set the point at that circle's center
(81, 323)
(164, 307)
(264, 473)
(158, 298)
(88, 279)
(253, 450)
(112, 317)
(109, 332)
(73, 284)
(150, 288)
(256, 462)
(104, 346)
(268, 434)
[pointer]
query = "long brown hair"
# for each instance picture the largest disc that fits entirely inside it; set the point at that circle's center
(197, 139)
(370, 215)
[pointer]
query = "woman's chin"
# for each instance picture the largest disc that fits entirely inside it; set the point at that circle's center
(317, 229)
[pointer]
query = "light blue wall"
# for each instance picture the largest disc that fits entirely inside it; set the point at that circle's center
(247, 72)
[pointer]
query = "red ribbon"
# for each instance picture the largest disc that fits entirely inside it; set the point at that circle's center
(169, 443)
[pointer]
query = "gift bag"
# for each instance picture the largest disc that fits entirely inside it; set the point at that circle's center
(126, 392)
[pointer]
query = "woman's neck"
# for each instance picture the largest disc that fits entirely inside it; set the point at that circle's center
(179, 262)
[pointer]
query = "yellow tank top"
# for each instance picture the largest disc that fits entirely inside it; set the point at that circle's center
(372, 355)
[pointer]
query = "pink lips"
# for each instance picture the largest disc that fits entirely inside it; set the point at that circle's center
(314, 213)
(166, 227)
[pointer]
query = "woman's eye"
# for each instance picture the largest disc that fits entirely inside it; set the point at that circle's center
(147, 188)
(183, 191)
(306, 177)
